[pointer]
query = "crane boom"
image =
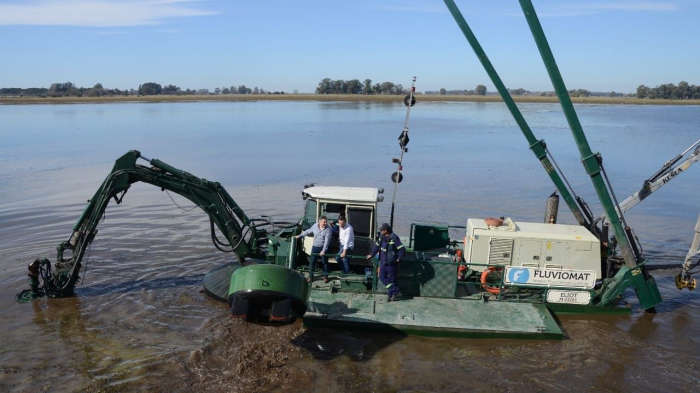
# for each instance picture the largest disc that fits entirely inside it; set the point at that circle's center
(635, 274)
(538, 147)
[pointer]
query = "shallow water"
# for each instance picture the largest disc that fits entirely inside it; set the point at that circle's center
(140, 322)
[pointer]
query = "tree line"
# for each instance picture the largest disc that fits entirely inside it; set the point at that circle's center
(69, 89)
(479, 90)
(354, 86)
(669, 91)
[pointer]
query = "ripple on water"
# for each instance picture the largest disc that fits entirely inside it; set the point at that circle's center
(139, 321)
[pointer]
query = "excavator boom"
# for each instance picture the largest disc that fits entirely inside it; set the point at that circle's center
(243, 235)
(668, 172)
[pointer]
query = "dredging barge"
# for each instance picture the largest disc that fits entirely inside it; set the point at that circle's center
(504, 279)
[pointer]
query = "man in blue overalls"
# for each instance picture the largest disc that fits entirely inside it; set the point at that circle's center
(390, 252)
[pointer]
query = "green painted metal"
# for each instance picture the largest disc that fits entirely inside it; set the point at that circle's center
(269, 278)
(538, 147)
(426, 237)
(646, 288)
(218, 281)
(282, 248)
(630, 277)
(436, 317)
(240, 232)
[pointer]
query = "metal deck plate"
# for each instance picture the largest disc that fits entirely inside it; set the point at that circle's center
(437, 317)
(217, 281)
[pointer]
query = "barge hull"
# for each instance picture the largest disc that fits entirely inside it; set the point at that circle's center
(434, 317)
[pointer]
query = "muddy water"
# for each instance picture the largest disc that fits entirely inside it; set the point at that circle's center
(139, 321)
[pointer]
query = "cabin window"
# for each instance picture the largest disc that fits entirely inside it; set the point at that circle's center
(332, 211)
(361, 220)
(310, 213)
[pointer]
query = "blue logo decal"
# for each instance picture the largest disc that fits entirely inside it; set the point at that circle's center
(518, 275)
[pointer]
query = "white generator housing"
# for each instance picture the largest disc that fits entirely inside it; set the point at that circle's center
(527, 244)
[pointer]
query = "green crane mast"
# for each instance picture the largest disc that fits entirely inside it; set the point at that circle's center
(538, 147)
(644, 284)
(633, 274)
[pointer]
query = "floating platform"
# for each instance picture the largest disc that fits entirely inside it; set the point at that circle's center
(419, 315)
(434, 317)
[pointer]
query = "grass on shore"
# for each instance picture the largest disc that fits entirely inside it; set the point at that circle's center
(332, 97)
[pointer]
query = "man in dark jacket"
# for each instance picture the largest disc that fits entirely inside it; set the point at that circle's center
(390, 252)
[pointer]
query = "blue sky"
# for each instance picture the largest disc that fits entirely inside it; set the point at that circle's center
(292, 45)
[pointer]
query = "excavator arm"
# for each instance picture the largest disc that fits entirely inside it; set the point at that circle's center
(244, 237)
(669, 171)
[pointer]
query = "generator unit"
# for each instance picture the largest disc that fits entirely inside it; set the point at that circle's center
(527, 244)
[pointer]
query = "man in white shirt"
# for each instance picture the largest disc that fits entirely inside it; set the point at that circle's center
(346, 236)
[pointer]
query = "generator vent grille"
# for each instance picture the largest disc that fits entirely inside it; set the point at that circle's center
(500, 251)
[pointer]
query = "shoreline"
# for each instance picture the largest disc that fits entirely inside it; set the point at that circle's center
(330, 97)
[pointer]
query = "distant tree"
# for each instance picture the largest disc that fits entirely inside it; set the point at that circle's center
(354, 86)
(150, 88)
(517, 92)
(377, 88)
(325, 86)
(684, 90)
(242, 89)
(62, 89)
(340, 87)
(579, 93)
(388, 88)
(480, 90)
(217, 90)
(171, 89)
(97, 90)
(256, 91)
(225, 90)
(368, 86)
(612, 94)
(443, 91)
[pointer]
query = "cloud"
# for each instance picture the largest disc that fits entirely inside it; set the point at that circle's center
(98, 13)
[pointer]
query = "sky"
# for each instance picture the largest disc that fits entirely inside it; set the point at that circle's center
(612, 45)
